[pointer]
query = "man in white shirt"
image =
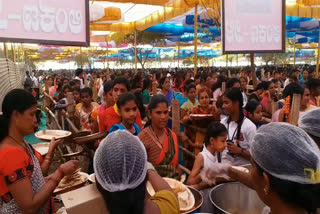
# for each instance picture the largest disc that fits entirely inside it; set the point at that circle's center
(79, 76)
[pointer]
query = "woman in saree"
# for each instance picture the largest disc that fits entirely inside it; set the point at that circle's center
(213, 114)
(160, 142)
(166, 90)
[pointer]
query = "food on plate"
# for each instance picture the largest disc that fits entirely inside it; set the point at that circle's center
(185, 196)
(72, 180)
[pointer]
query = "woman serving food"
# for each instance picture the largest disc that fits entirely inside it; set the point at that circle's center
(285, 162)
(23, 189)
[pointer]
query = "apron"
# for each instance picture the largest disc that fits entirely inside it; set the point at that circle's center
(37, 181)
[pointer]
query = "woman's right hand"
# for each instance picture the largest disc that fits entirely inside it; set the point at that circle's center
(209, 175)
(69, 167)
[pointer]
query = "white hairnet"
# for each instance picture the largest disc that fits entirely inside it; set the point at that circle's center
(286, 152)
(120, 162)
(310, 122)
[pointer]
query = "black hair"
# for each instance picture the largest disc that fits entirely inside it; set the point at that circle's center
(189, 87)
(293, 88)
(203, 78)
(86, 90)
(158, 76)
(146, 84)
(17, 100)
(231, 82)
(61, 95)
(215, 129)
(79, 71)
(107, 86)
(66, 87)
(76, 89)
(296, 194)
(162, 80)
(313, 84)
(76, 81)
(266, 84)
(252, 106)
(127, 201)
(235, 95)
(136, 81)
(121, 81)
(219, 82)
(189, 81)
(63, 79)
(155, 100)
(290, 90)
(124, 98)
(260, 86)
(72, 83)
(197, 76)
(274, 81)
(142, 109)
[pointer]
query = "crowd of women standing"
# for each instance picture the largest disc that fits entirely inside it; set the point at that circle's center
(241, 128)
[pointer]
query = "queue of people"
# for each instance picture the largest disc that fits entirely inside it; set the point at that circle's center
(241, 128)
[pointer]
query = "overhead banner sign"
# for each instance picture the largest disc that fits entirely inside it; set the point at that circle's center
(253, 26)
(59, 22)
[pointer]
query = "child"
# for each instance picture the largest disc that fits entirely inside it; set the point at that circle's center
(63, 102)
(85, 109)
(76, 95)
(253, 111)
(215, 142)
(128, 111)
(107, 102)
(111, 116)
(192, 102)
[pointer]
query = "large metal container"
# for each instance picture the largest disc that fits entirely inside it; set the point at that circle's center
(235, 198)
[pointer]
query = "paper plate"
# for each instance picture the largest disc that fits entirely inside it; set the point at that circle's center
(92, 178)
(47, 135)
(186, 198)
(42, 148)
(84, 179)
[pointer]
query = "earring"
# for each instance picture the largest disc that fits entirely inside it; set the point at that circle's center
(265, 191)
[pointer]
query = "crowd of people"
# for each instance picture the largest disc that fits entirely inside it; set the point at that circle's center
(232, 110)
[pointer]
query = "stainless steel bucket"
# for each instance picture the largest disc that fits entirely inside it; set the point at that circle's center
(235, 198)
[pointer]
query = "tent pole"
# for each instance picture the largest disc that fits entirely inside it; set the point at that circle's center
(195, 39)
(253, 71)
(108, 70)
(178, 53)
(294, 52)
(81, 59)
(317, 68)
(227, 58)
(5, 48)
(13, 53)
(135, 51)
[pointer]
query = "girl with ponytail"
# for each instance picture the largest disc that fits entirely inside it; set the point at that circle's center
(240, 129)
